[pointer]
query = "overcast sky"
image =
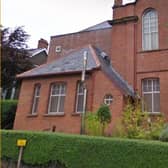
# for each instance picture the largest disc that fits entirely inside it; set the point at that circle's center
(45, 18)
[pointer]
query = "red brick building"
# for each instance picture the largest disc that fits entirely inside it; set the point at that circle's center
(125, 55)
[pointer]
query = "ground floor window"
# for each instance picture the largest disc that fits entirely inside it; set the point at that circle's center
(151, 95)
(57, 98)
(36, 98)
(79, 97)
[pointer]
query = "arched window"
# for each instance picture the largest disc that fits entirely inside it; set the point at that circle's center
(150, 30)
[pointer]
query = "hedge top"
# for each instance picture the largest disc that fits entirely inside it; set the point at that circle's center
(77, 151)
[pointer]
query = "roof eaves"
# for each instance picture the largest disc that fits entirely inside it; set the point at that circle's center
(39, 51)
(56, 73)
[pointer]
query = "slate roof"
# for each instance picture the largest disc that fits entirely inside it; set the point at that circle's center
(102, 25)
(73, 62)
(115, 77)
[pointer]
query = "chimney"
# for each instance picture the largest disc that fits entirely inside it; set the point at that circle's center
(117, 3)
(42, 43)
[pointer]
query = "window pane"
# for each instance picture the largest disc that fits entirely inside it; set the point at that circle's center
(156, 85)
(62, 88)
(148, 102)
(35, 105)
(55, 89)
(37, 90)
(154, 41)
(156, 102)
(80, 89)
(80, 103)
(53, 104)
(61, 107)
(36, 98)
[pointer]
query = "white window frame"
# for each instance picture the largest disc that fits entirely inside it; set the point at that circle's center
(77, 97)
(59, 95)
(35, 97)
(152, 92)
(150, 32)
(108, 99)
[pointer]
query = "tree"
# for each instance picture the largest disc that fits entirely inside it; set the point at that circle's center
(104, 116)
(14, 55)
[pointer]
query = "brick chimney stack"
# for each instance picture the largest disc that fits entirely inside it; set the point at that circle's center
(42, 43)
(117, 3)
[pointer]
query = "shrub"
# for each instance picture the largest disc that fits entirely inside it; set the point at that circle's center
(104, 116)
(138, 124)
(93, 126)
(8, 110)
(164, 134)
(75, 151)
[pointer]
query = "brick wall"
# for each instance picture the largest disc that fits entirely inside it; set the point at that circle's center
(69, 42)
(70, 122)
(129, 59)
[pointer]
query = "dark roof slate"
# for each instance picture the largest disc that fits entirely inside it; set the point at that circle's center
(113, 74)
(73, 62)
(102, 25)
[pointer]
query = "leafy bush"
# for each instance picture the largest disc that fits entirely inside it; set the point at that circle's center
(8, 110)
(93, 126)
(75, 151)
(164, 134)
(138, 124)
(104, 116)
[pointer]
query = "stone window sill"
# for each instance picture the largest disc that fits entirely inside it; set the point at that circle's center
(154, 50)
(32, 115)
(76, 114)
(54, 115)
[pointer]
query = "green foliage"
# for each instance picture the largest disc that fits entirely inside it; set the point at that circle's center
(138, 124)
(104, 116)
(75, 151)
(93, 126)
(164, 134)
(14, 55)
(8, 110)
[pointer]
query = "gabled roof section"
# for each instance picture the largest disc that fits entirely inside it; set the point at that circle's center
(102, 25)
(71, 63)
(34, 52)
(113, 75)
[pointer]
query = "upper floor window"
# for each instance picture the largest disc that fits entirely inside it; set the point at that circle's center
(57, 98)
(79, 98)
(151, 95)
(150, 30)
(36, 98)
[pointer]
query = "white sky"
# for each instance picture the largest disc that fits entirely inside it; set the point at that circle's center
(45, 18)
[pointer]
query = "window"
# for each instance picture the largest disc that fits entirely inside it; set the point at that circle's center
(150, 30)
(36, 98)
(108, 99)
(79, 98)
(151, 95)
(57, 98)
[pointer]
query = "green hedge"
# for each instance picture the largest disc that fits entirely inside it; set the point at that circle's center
(164, 134)
(85, 152)
(8, 110)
